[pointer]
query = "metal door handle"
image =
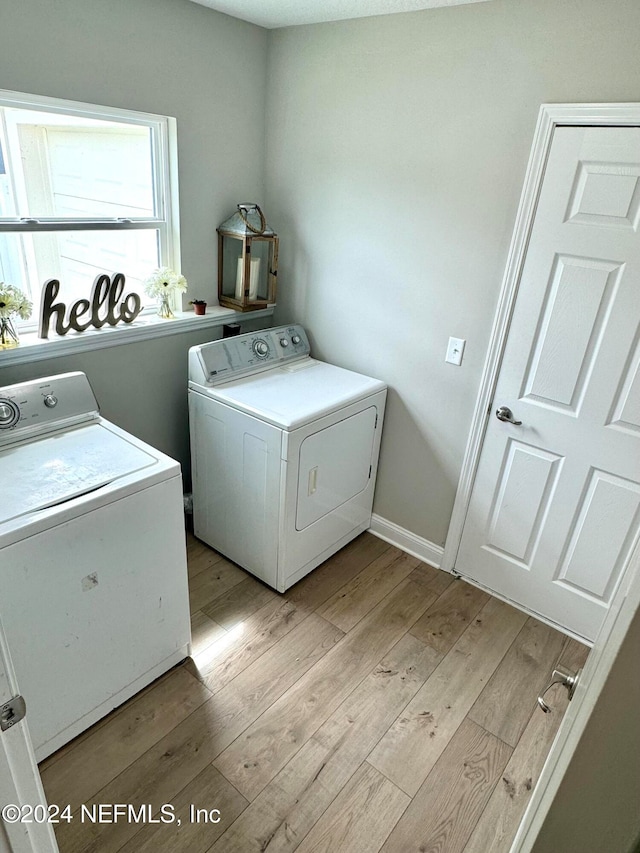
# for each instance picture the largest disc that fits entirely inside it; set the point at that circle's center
(563, 676)
(504, 413)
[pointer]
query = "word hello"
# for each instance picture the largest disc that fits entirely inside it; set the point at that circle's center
(104, 306)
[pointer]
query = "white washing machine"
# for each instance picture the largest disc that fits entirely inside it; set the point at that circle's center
(284, 452)
(93, 575)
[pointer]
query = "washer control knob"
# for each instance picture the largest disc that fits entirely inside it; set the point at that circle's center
(9, 414)
(261, 348)
(295, 339)
(284, 342)
(50, 401)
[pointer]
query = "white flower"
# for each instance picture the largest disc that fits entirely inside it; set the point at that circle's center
(164, 280)
(13, 301)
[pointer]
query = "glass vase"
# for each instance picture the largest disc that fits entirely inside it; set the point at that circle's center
(164, 308)
(8, 334)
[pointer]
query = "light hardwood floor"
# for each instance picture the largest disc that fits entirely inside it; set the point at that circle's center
(377, 705)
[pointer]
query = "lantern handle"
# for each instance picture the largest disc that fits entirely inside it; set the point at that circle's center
(263, 221)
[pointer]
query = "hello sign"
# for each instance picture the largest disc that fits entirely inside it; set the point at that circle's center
(104, 306)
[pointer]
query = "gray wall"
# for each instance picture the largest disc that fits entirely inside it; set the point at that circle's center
(395, 153)
(397, 148)
(171, 57)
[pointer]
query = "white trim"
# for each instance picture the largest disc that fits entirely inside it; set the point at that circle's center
(407, 541)
(549, 117)
(45, 103)
(33, 348)
(171, 194)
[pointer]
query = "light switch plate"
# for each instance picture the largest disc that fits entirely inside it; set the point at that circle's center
(455, 351)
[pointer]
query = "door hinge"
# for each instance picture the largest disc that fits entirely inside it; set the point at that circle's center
(12, 712)
(370, 467)
(375, 426)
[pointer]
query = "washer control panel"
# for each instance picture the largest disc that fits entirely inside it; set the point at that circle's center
(40, 405)
(244, 354)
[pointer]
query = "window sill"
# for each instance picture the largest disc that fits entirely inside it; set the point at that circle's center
(143, 328)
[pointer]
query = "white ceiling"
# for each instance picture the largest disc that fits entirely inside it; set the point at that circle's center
(287, 13)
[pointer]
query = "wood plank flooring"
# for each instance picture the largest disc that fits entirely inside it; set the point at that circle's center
(379, 705)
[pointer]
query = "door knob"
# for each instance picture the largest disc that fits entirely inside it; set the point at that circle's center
(504, 413)
(563, 676)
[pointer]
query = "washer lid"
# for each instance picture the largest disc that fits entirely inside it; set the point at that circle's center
(39, 474)
(292, 395)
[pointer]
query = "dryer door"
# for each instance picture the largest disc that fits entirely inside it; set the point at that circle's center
(335, 465)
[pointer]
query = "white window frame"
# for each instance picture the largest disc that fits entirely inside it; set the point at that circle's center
(165, 179)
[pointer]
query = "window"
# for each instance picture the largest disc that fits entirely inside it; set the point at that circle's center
(84, 190)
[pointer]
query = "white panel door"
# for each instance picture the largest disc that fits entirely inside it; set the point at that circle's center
(555, 506)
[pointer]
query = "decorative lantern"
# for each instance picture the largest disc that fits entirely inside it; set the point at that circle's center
(247, 260)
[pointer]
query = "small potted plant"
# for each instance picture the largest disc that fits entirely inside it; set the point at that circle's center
(199, 306)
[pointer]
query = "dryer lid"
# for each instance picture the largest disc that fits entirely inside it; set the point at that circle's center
(49, 471)
(293, 395)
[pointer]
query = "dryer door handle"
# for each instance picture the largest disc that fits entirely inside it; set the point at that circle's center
(313, 480)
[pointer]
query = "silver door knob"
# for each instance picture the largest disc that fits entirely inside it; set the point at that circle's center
(504, 413)
(563, 676)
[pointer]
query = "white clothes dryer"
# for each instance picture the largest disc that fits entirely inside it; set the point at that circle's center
(93, 574)
(284, 452)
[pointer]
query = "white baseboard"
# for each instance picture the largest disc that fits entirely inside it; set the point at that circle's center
(421, 548)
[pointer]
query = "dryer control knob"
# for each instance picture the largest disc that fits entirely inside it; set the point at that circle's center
(295, 339)
(50, 401)
(284, 342)
(260, 348)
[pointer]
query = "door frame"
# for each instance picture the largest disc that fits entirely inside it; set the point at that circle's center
(549, 117)
(20, 782)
